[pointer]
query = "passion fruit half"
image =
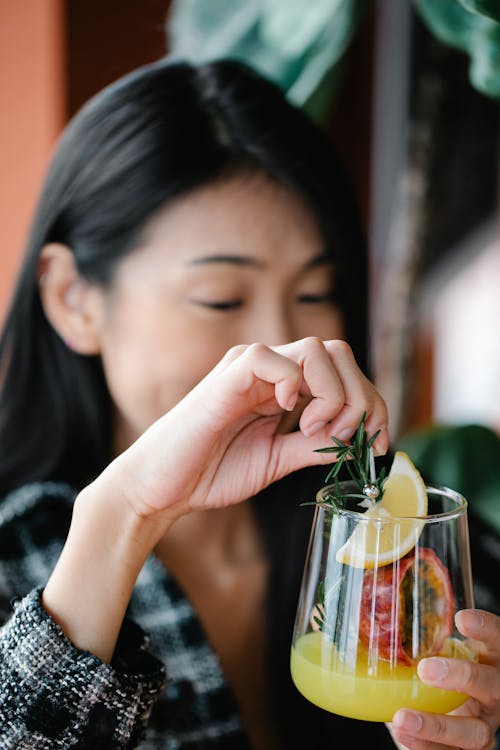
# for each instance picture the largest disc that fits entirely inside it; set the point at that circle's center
(407, 608)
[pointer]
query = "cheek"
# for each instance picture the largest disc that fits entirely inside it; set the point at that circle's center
(150, 369)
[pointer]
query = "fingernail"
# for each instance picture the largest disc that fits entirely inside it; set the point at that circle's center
(433, 670)
(380, 444)
(291, 402)
(470, 620)
(312, 428)
(344, 434)
(409, 721)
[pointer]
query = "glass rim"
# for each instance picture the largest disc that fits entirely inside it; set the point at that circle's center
(359, 515)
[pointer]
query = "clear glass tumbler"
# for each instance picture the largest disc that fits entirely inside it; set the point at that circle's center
(367, 614)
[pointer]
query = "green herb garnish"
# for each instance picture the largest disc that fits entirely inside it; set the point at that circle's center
(356, 458)
(323, 603)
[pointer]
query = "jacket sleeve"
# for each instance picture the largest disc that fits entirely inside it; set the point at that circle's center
(53, 695)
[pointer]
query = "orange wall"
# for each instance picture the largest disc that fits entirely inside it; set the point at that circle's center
(32, 111)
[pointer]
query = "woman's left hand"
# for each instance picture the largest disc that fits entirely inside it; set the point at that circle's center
(473, 725)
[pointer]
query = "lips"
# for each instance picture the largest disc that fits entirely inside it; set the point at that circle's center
(407, 608)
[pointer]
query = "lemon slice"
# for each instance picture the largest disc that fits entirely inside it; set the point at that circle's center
(457, 649)
(389, 530)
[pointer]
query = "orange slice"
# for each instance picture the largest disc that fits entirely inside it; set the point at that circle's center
(389, 530)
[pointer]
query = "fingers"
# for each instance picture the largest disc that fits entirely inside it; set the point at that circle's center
(322, 381)
(419, 730)
(248, 367)
(325, 371)
(482, 626)
(360, 396)
(479, 681)
(340, 391)
(426, 731)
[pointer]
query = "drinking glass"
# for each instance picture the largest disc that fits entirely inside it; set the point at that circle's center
(365, 620)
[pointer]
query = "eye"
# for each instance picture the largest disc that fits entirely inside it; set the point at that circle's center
(317, 299)
(222, 305)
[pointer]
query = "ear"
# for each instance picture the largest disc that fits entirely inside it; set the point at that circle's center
(72, 305)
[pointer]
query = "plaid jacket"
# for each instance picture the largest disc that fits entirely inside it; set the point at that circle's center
(53, 695)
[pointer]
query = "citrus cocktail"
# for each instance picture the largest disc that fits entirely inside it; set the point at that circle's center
(379, 594)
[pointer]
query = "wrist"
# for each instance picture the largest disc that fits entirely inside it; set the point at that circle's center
(146, 481)
(105, 507)
(91, 585)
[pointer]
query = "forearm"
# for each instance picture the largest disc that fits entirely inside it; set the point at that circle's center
(105, 705)
(91, 585)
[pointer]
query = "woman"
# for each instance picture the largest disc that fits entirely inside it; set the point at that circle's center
(187, 210)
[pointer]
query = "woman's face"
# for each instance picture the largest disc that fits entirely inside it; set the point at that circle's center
(239, 261)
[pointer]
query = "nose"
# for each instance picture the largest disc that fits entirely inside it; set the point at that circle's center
(273, 327)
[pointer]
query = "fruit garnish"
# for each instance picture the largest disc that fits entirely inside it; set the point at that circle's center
(404, 489)
(406, 610)
(390, 530)
(454, 648)
(390, 526)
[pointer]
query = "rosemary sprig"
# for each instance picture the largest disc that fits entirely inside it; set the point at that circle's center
(323, 602)
(318, 615)
(356, 459)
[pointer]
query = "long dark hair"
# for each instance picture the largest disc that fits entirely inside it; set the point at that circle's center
(154, 135)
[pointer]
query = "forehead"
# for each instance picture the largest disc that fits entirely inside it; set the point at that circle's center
(247, 215)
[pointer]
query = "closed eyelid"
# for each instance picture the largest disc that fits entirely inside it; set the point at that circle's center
(229, 304)
(315, 296)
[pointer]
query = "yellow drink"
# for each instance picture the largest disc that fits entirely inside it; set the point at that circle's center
(360, 691)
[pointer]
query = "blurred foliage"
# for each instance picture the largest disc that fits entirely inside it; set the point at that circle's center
(461, 174)
(296, 43)
(465, 458)
(488, 8)
(472, 26)
(300, 44)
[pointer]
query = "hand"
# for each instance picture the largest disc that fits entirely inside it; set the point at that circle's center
(472, 725)
(221, 443)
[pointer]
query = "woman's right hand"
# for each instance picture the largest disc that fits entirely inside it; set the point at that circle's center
(219, 445)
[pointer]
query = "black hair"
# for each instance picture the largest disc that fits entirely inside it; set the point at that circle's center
(152, 136)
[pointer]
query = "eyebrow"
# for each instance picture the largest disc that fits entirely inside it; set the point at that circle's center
(246, 260)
